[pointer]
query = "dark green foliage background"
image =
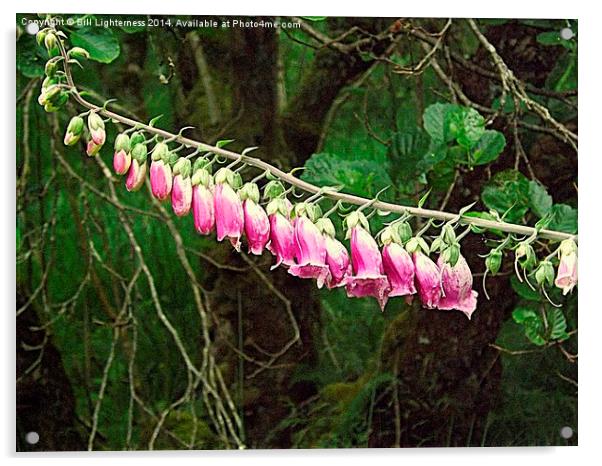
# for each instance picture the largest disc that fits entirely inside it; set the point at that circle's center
(415, 140)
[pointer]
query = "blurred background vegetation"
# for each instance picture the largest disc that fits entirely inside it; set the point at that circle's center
(364, 102)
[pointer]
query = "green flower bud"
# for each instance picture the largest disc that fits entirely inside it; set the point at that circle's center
(137, 138)
(278, 205)
(249, 191)
(78, 52)
(273, 189)
(182, 167)
(50, 41)
(203, 177)
(41, 35)
(448, 233)
(139, 152)
(404, 230)
(74, 130)
(201, 163)
(451, 254)
(50, 68)
(525, 255)
(493, 261)
(122, 142)
(160, 152)
(390, 235)
(545, 273)
(224, 175)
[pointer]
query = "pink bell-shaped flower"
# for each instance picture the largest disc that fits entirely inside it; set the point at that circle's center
(203, 210)
(181, 191)
(456, 282)
(136, 175)
(282, 233)
(310, 253)
(566, 277)
(122, 158)
(368, 273)
(428, 280)
(161, 177)
(229, 216)
(399, 269)
(337, 259)
(257, 224)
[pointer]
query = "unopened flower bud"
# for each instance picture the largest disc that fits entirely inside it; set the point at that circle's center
(493, 261)
(160, 152)
(74, 130)
(181, 192)
(525, 255)
(136, 175)
(449, 235)
(544, 274)
(50, 41)
(139, 151)
(404, 230)
(92, 149)
(78, 52)
(273, 189)
(96, 126)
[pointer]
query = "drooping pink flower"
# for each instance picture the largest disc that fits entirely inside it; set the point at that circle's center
(337, 259)
(229, 216)
(428, 280)
(368, 274)
(282, 240)
(122, 161)
(257, 226)
(310, 252)
(202, 209)
(136, 175)
(181, 195)
(399, 268)
(161, 179)
(566, 277)
(457, 287)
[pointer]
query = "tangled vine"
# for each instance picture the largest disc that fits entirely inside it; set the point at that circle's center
(279, 212)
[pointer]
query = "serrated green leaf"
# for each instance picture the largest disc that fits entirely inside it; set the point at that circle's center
(436, 121)
(539, 199)
(556, 324)
(522, 314)
(489, 147)
(362, 177)
(101, 43)
(564, 218)
(524, 290)
(508, 193)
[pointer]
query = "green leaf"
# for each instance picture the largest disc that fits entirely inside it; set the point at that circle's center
(539, 199)
(101, 43)
(436, 121)
(508, 193)
(556, 324)
(553, 38)
(29, 59)
(358, 176)
(564, 218)
(489, 147)
(522, 314)
(524, 290)
(470, 129)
